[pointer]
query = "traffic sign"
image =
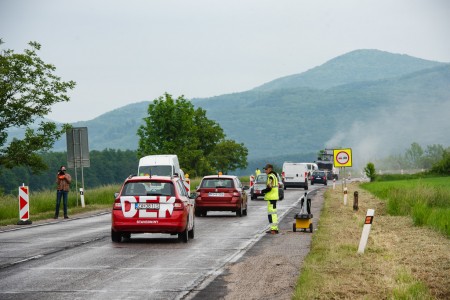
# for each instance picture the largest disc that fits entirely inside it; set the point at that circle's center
(23, 203)
(342, 157)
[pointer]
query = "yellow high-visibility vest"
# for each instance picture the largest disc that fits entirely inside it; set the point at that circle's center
(273, 194)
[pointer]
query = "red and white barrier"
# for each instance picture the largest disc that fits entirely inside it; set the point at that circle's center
(24, 205)
(187, 184)
(252, 180)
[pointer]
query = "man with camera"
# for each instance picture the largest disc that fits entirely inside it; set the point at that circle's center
(63, 180)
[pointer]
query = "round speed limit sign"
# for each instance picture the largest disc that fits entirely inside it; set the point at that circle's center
(343, 157)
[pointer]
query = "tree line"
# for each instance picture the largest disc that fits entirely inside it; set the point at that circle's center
(109, 166)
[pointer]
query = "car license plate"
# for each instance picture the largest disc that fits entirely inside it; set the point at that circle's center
(146, 205)
(289, 177)
(216, 194)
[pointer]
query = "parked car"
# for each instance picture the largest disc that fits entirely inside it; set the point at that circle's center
(318, 177)
(260, 184)
(152, 204)
(221, 193)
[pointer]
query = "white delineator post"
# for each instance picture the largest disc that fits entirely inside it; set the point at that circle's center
(24, 204)
(345, 196)
(366, 230)
(82, 197)
(334, 183)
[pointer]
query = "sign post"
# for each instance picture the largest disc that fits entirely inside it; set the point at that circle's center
(78, 153)
(342, 158)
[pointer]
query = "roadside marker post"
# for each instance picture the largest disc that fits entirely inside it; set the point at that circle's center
(334, 183)
(345, 196)
(82, 197)
(355, 201)
(24, 206)
(366, 230)
(252, 180)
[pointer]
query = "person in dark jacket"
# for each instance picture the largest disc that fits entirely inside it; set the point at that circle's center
(63, 180)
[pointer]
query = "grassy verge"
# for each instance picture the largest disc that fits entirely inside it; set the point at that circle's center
(42, 204)
(426, 200)
(401, 261)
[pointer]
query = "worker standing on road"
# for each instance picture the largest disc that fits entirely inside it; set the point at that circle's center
(271, 196)
(257, 172)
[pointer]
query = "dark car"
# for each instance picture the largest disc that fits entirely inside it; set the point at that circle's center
(152, 204)
(260, 184)
(221, 193)
(318, 177)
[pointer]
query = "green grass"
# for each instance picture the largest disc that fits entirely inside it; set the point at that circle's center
(407, 287)
(426, 200)
(42, 203)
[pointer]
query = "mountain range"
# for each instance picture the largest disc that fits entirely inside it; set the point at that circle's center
(373, 101)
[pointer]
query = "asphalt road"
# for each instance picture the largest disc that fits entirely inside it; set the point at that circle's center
(75, 258)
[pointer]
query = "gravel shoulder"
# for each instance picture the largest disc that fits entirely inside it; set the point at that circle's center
(269, 269)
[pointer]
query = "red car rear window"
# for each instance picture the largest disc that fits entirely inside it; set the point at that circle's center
(217, 183)
(148, 188)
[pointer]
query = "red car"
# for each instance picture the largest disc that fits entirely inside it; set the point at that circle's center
(152, 205)
(221, 193)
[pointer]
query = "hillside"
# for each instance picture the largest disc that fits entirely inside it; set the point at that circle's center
(362, 96)
(299, 120)
(355, 66)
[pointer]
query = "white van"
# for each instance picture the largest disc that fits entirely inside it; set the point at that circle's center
(296, 174)
(312, 167)
(160, 165)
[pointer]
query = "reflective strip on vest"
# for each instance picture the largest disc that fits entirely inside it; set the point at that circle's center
(273, 194)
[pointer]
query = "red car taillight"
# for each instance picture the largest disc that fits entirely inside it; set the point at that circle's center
(178, 205)
(117, 204)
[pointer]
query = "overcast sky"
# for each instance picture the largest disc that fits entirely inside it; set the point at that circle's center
(122, 52)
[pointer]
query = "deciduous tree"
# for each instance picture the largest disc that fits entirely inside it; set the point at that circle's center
(28, 89)
(174, 126)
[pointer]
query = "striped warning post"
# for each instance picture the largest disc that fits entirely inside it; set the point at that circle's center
(24, 206)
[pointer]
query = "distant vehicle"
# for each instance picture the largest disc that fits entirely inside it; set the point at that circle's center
(295, 175)
(318, 177)
(152, 204)
(260, 184)
(325, 162)
(221, 193)
(160, 165)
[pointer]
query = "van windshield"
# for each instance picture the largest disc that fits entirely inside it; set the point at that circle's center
(155, 170)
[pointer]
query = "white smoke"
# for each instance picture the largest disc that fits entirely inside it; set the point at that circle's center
(392, 131)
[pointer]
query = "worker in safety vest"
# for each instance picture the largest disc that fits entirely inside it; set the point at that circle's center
(271, 196)
(257, 172)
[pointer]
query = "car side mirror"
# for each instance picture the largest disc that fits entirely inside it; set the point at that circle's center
(193, 195)
(246, 187)
(116, 195)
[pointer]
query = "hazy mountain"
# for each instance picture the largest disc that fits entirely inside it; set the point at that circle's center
(367, 99)
(302, 120)
(355, 66)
